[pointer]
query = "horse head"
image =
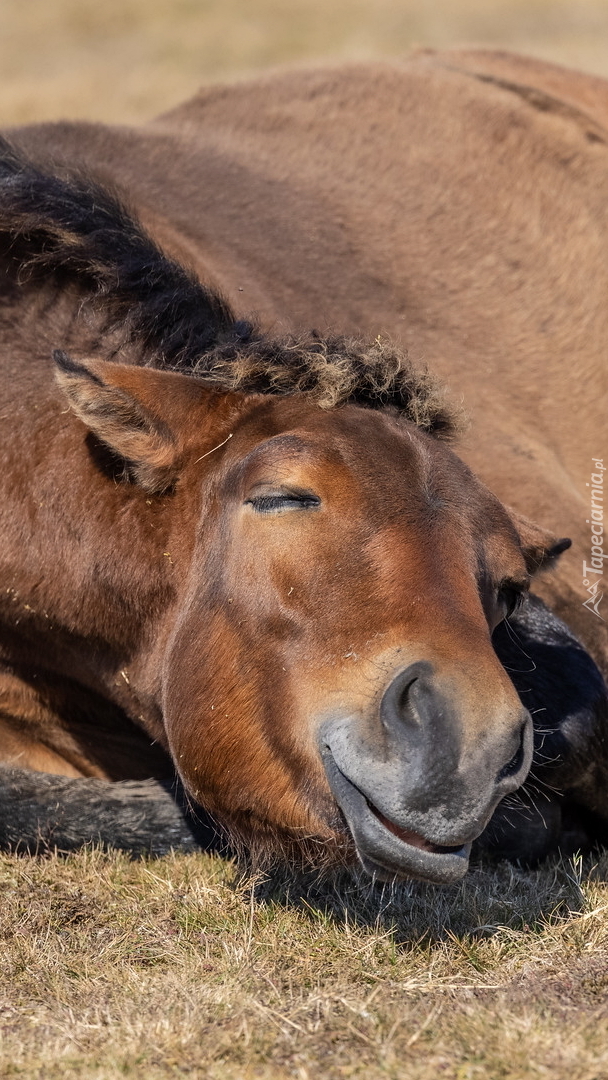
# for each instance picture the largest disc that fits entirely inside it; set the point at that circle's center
(324, 670)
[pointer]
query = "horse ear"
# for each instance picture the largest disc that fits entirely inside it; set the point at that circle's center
(111, 400)
(540, 547)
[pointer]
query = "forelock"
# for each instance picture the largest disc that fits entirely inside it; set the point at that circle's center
(331, 372)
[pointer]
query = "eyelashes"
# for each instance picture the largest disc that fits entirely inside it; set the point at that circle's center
(277, 502)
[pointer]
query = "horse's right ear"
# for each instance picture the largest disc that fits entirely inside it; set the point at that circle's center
(132, 411)
(540, 547)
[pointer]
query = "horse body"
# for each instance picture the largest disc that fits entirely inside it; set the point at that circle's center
(454, 203)
(297, 602)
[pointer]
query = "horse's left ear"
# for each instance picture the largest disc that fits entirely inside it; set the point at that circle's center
(540, 547)
(134, 411)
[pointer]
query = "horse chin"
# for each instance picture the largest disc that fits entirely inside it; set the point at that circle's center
(387, 850)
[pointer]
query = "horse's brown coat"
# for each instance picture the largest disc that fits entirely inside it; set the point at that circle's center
(456, 203)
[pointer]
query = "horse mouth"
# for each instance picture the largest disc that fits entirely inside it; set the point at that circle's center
(412, 838)
(388, 850)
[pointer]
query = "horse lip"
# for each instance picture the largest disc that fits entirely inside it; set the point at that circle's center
(387, 850)
(410, 837)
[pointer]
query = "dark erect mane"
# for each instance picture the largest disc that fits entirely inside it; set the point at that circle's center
(72, 229)
(332, 371)
(77, 230)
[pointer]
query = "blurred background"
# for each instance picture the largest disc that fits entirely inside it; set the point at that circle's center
(125, 60)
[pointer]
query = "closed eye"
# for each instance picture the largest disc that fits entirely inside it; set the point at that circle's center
(276, 502)
(511, 597)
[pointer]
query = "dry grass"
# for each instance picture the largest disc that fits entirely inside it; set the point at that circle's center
(113, 968)
(156, 969)
(125, 60)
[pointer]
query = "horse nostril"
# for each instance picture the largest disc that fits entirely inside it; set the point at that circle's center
(402, 700)
(397, 706)
(516, 762)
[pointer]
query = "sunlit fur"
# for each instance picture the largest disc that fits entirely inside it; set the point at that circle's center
(140, 590)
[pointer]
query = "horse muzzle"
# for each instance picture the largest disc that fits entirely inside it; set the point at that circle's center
(417, 791)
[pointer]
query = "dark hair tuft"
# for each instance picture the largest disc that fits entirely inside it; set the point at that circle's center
(73, 229)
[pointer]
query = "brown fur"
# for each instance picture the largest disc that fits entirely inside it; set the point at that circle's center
(454, 204)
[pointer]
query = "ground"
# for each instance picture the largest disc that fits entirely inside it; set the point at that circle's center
(156, 969)
(113, 968)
